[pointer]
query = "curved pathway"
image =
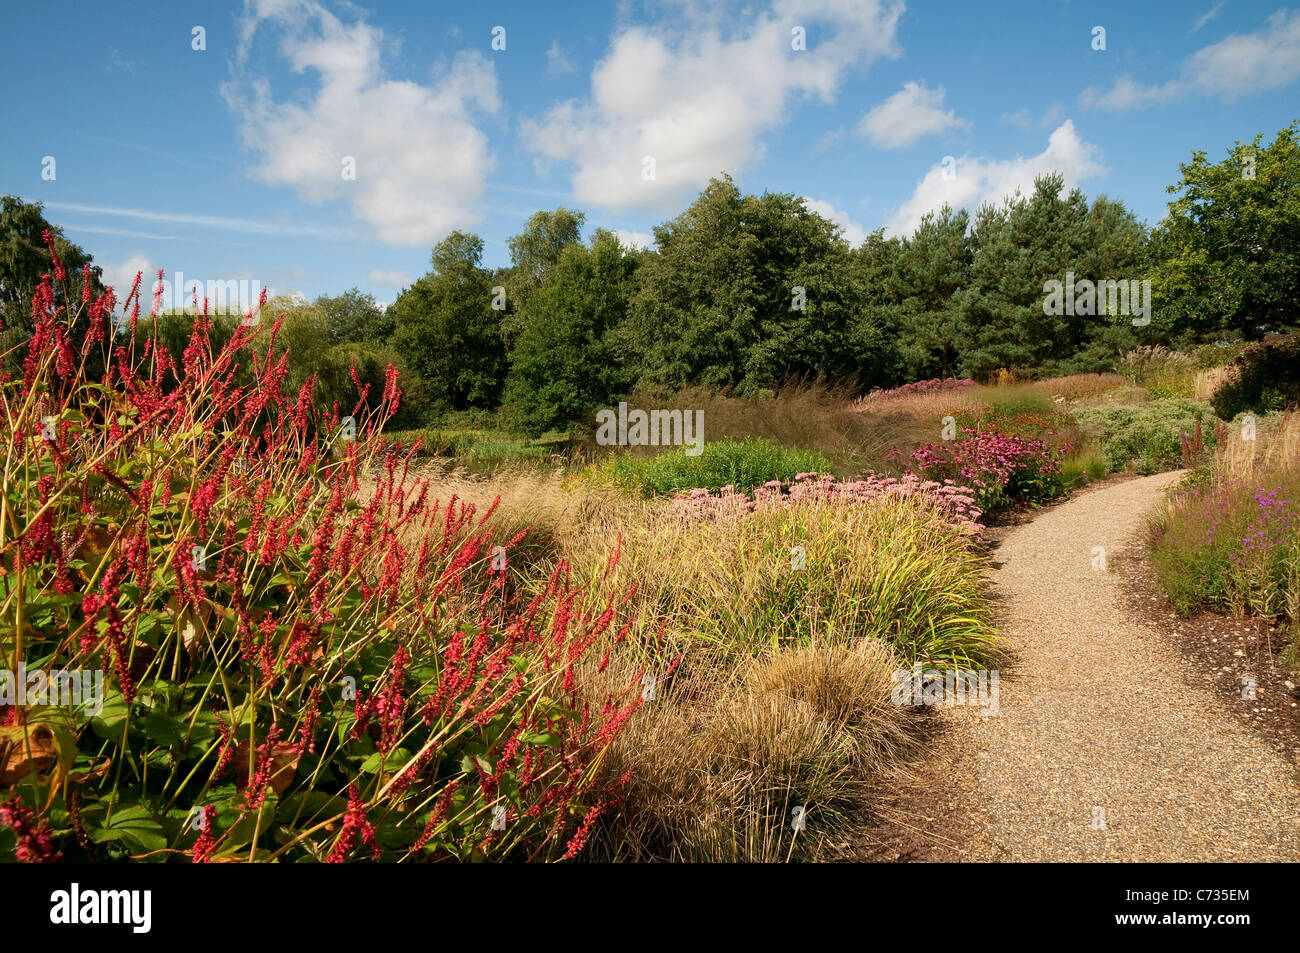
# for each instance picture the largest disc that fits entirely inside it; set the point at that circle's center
(1103, 749)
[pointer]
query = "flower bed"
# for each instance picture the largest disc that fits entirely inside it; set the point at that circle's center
(954, 505)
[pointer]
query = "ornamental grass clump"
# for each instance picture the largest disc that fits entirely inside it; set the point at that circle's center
(301, 654)
(742, 580)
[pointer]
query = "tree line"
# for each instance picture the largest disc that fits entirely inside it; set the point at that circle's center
(747, 292)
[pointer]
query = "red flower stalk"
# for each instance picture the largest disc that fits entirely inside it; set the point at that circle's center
(390, 706)
(227, 748)
(355, 825)
(307, 732)
(34, 843)
(60, 274)
(391, 392)
(579, 839)
(260, 779)
(206, 843)
(156, 308)
(436, 815)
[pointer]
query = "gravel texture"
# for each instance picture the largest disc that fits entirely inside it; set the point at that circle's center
(1097, 711)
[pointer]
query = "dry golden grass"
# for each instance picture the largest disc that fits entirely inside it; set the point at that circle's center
(1275, 445)
(1079, 389)
(907, 421)
(1208, 381)
(811, 415)
(548, 504)
(856, 433)
(719, 777)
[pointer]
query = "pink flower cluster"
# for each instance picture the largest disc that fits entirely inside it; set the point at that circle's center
(924, 387)
(954, 505)
(986, 459)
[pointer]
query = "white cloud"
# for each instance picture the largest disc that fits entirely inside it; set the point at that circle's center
(556, 62)
(121, 274)
(1236, 66)
(633, 239)
(697, 93)
(910, 114)
(1126, 94)
(420, 159)
(389, 279)
(854, 233)
(980, 180)
(247, 225)
(1023, 118)
(1019, 118)
(122, 232)
(1208, 15)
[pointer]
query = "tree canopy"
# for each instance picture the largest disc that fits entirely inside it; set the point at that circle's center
(746, 292)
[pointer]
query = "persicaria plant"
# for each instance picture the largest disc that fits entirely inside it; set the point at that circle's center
(307, 654)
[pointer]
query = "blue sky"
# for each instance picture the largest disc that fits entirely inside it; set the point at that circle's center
(228, 162)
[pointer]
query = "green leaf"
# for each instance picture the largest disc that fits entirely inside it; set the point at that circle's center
(394, 760)
(544, 738)
(108, 723)
(134, 826)
(253, 824)
(163, 729)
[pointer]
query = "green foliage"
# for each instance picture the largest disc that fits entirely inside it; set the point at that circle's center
(1083, 467)
(564, 364)
(1020, 245)
(447, 328)
(307, 334)
(743, 464)
(1229, 250)
(1267, 378)
(353, 317)
(1147, 437)
(1227, 543)
(717, 304)
(283, 669)
(929, 269)
(482, 444)
(1162, 372)
(23, 259)
(534, 254)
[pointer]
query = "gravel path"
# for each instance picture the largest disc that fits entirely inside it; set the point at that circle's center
(1097, 715)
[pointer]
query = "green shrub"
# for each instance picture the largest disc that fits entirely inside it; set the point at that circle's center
(1146, 438)
(1267, 378)
(743, 464)
(1217, 354)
